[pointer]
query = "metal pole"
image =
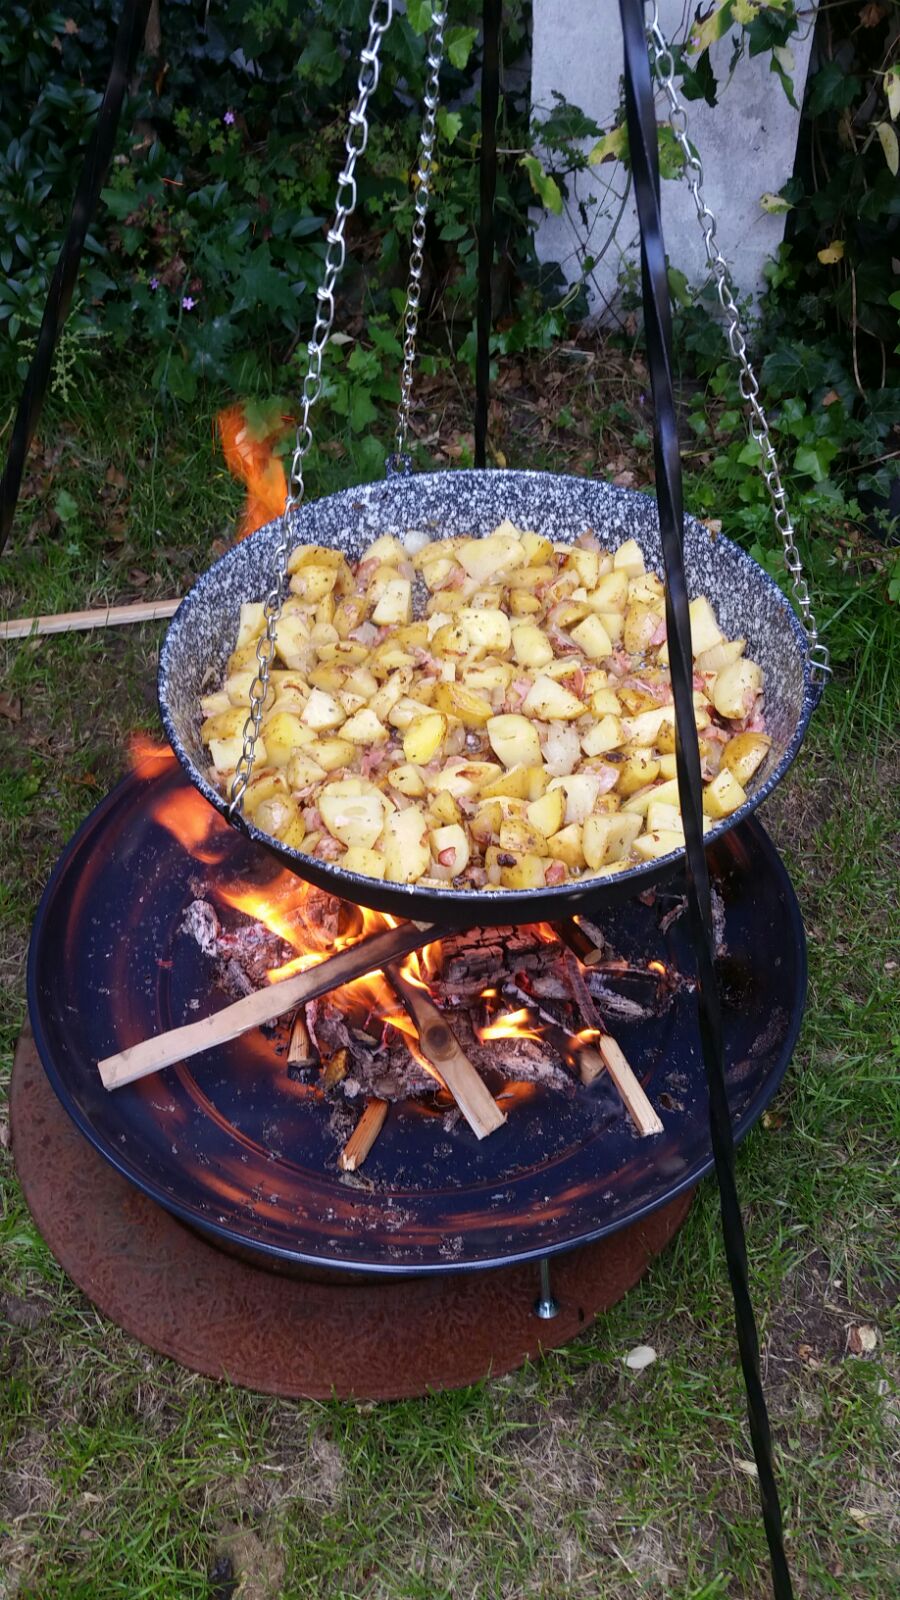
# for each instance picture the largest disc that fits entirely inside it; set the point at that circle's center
(546, 1306)
(490, 102)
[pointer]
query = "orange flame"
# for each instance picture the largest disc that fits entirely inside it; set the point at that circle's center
(250, 457)
(512, 1025)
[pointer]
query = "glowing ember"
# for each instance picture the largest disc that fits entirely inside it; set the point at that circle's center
(249, 456)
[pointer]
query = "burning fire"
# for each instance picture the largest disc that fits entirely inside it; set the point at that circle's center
(512, 1025)
(249, 456)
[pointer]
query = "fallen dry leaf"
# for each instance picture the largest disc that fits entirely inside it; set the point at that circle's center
(747, 1467)
(862, 1339)
(11, 707)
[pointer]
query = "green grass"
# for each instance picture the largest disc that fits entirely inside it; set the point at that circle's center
(123, 1476)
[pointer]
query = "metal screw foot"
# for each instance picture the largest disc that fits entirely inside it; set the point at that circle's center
(546, 1306)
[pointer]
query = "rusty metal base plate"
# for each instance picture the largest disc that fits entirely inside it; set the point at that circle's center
(225, 1318)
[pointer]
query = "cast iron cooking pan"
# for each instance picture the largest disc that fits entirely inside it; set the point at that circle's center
(746, 601)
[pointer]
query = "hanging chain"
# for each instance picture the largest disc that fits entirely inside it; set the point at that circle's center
(664, 64)
(434, 57)
(335, 255)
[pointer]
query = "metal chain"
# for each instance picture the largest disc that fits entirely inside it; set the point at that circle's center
(380, 16)
(661, 56)
(434, 57)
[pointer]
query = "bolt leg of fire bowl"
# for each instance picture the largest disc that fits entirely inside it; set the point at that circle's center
(546, 1306)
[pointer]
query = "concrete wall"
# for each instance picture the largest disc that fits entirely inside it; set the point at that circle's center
(747, 144)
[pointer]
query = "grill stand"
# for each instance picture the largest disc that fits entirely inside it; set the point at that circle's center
(315, 1337)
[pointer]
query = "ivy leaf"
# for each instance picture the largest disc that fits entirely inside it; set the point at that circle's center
(449, 123)
(713, 27)
(679, 288)
(888, 141)
(545, 187)
(459, 43)
(832, 253)
(832, 89)
(612, 147)
(815, 460)
(892, 91)
(419, 14)
(774, 203)
(362, 411)
(671, 155)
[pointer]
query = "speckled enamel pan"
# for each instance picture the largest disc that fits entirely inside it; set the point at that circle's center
(746, 601)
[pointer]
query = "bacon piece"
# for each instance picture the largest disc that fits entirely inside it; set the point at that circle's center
(658, 636)
(555, 873)
(447, 857)
(329, 849)
(608, 775)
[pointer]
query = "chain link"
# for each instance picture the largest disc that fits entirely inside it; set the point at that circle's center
(664, 64)
(357, 138)
(435, 55)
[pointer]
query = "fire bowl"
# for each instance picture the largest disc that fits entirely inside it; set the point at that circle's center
(231, 1145)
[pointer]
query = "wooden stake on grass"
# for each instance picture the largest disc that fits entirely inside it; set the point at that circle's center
(363, 1136)
(81, 621)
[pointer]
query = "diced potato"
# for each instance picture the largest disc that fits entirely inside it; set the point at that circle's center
(330, 676)
(382, 702)
(736, 688)
(450, 640)
(387, 551)
(443, 809)
(353, 819)
(450, 848)
(303, 769)
(635, 773)
(643, 729)
(721, 655)
(424, 737)
(350, 702)
(311, 584)
(226, 753)
(705, 630)
(536, 549)
(649, 589)
(581, 791)
(364, 728)
(408, 780)
(604, 735)
(587, 564)
(527, 871)
(252, 622)
(744, 754)
(547, 814)
(609, 838)
(276, 814)
(405, 712)
(604, 702)
(370, 863)
(348, 614)
(484, 559)
(663, 817)
(667, 766)
(641, 623)
(522, 604)
(487, 676)
(331, 753)
(515, 784)
(225, 724)
(629, 558)
(551, 701)
(485, 825)
(407, 852)
(650, 846)
(723, 795)
(464, 778)
(472, 709)
(514, 739)
(591, 637)
(317, 555)
(665, 793)
(568, 846)
(487, 627)
(395, 603)
(263, 786)
(531, 646)
(322, 711)
(611, 592)
(518, 835)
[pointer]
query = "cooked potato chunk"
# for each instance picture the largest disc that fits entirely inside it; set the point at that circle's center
(514, 739)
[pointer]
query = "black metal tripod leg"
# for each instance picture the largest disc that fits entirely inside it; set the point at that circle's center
(490, 101)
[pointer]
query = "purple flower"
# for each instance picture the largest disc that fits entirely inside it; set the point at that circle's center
(188, 303)
(154, 284)
(228, 119)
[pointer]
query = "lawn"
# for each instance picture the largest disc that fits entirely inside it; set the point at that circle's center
(123, 1476)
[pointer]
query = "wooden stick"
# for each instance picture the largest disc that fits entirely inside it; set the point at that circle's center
(300, 1048)
(139, 1060)
(592, 1062)
(442, 1048)
(363, 1136)
(576, 940)
(81, 621)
